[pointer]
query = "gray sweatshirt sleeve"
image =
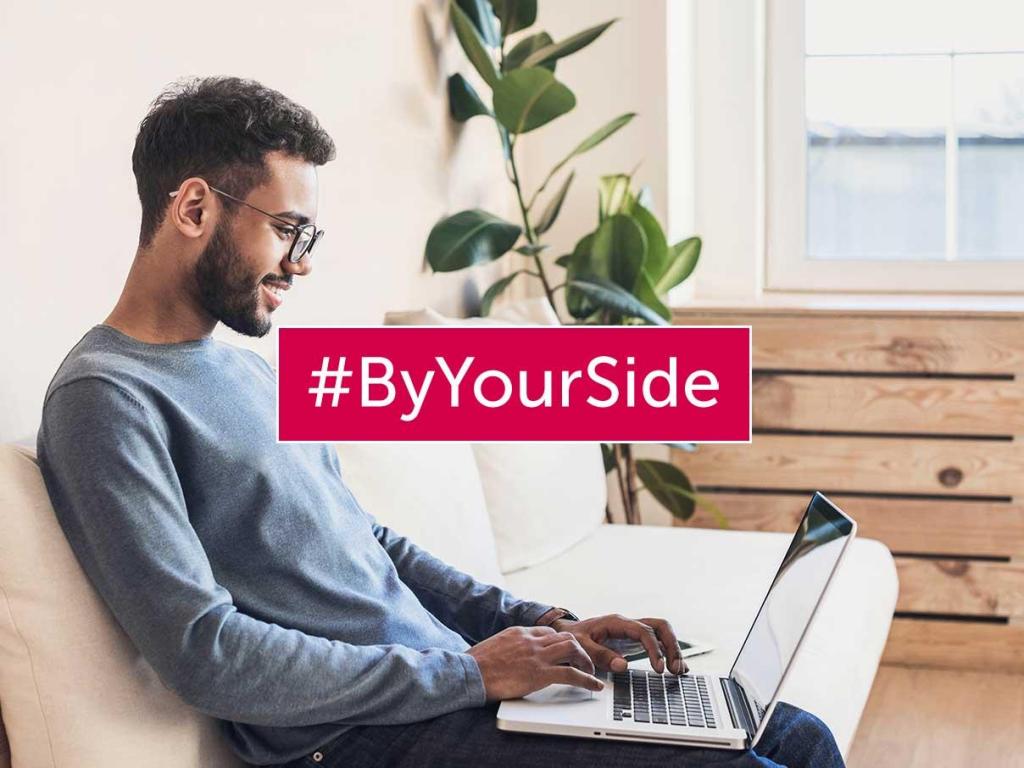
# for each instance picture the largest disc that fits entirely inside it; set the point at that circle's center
(113, 484)
(473, 609)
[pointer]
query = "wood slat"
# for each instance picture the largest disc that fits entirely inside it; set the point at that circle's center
(963, 587)
(956, 645)
(904, 525)
(918, 406)
(920, 466)
(876, 341)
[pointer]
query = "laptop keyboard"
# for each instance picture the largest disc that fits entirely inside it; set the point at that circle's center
(648, 697)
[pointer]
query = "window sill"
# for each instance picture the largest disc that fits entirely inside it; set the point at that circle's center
(780, 302)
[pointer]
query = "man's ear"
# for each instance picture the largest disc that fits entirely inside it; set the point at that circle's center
(191, 210)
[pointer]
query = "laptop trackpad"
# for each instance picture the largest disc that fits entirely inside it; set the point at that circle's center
(559, 694)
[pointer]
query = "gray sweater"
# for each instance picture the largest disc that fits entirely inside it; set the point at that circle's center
(243, 569)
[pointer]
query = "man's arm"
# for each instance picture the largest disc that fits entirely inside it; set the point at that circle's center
(117, 495)
(471, 608)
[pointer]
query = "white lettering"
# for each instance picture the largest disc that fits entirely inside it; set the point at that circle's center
(384, 381)
(691, 385)
(613, 391)
(417, 397)
(478, 389)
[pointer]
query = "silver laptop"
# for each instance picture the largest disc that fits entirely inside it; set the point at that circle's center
(730, 711)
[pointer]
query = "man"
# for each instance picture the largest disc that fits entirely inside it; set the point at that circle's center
(243, 569)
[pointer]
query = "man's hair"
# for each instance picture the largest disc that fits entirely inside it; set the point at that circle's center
(219, 128)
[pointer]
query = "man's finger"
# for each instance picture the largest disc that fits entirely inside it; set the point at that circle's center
(568, 652)
(572, 676)
(540, 631)
(605, 658)
(635, 630)
(667, 636)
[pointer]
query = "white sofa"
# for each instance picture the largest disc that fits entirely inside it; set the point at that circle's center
(74, 692)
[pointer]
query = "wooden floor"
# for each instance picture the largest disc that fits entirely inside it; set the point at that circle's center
(934, 718)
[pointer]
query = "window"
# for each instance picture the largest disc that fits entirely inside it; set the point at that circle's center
(895, 146)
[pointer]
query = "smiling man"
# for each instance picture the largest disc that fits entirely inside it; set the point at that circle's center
(243, 569)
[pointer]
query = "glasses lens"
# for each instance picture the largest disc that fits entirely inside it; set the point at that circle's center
(302, 242)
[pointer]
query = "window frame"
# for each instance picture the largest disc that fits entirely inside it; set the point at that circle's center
(786, 266)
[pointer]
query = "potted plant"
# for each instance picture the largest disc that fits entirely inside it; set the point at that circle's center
(619, 273)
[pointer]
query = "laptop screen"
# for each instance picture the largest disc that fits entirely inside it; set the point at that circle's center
(792, 599)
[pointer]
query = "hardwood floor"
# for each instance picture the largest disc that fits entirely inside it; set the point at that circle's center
(938, 718)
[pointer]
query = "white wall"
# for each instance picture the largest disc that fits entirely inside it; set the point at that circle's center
(623, 71)
(78, 79)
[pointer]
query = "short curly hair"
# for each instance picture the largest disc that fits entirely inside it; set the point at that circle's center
(219, 128)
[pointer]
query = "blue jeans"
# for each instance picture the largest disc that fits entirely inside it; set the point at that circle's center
(469, 738)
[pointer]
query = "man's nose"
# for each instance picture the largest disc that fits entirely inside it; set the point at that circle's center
(301, 268)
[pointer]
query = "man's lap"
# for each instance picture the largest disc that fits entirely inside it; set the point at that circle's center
(470, 738)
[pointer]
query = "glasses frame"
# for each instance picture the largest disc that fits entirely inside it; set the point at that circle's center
(297, 229)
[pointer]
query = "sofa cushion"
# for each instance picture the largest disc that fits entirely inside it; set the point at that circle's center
(542, 497)
(75, 691)
(5, 748)
(690, 576)
(429, 493)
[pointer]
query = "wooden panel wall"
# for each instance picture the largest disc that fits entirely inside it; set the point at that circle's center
(911, 422)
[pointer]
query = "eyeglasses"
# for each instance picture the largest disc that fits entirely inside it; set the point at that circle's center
(304, 236)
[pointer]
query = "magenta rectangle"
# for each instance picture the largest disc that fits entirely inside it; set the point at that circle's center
(514, 384)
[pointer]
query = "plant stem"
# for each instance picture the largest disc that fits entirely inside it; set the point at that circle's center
(627, 451)
(617, 450)
(531, 236)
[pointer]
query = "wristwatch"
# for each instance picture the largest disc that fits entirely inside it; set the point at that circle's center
(562, 614)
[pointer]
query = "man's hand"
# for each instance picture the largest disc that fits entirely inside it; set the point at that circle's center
(657, 637)
(521, 660)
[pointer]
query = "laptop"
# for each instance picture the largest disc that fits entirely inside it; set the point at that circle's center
(724, 711)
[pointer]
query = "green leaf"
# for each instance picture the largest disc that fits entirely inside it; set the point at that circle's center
(669, 485)
(473, 45)
(576, 302)
(613, 195)
(522, 50)
(547, 218)
(506, 145)
(608, 455)
(606, 294)
(597, 137)
(463, 101)
(495, 291)
(682, 260)
(563, 260)
(526, 99)
(673, 490)
(645, 292)
(657, 247)
(481, 14)
(619, 250)
(559, 50)
(468, 238)
(515, 14)
(530, 250)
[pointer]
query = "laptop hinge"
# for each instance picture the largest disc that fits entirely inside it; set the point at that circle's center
(738, 708)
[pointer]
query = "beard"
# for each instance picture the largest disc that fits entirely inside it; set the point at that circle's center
(229, 291)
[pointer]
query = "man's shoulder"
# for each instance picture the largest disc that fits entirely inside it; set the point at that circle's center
(95, 366)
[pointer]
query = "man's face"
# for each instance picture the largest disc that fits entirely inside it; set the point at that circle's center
(243, 272)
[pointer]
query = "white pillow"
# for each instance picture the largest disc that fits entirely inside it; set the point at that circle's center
(430, 493)
(76, 693)
(525, 312)
(541, 497)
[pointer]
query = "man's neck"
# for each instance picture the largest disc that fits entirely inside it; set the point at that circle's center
(156, 308)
